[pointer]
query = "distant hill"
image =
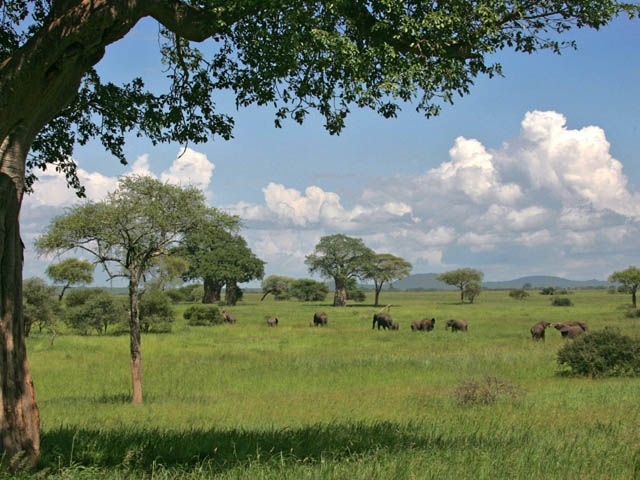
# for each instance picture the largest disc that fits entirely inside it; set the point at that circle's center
(427, 281)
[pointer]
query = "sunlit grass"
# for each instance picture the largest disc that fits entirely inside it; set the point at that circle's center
(345, 401)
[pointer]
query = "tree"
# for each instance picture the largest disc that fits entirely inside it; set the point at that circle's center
(167, 271)
(340, 257)
(629, 278)
(461, 278)
(276, 285)
(70, 272)
(518, 294)
(156, 314)
(384, 269)
(472, 290)
(39, 305)
(137, 223)
(319, 55)
(354, 292)
(220, 257)
(308, 290)
(93, 309)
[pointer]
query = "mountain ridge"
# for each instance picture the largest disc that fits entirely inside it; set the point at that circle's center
(428, 281)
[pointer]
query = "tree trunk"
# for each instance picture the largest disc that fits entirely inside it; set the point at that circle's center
(340, 296)
(231, 293)
(633, 297)
(462, 295)
(378, 289)
(211, 291)
(19, 416)
(134, 332)
(64, 289)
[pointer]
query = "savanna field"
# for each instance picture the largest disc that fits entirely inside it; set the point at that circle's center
(343, 401)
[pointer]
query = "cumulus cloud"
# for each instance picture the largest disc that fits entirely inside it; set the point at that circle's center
(553, 190)
(190, 168)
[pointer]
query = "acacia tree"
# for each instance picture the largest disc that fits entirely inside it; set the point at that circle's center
(70, 272)
(630, 279)
(301, 56)
(461, 278)
(342, 258)
(39, 306)
(134, 225)
(386, 268)
(276, 285)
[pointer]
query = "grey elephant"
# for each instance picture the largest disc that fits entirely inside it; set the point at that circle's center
(571, 329)
(228, 318)
(395, 326)
(583, 325)
(320, 319)
(456, 325)
(383, 320)
(537, 331)
(272, 321)
(426, 324)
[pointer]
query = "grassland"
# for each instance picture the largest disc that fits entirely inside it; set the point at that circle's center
(345, 401)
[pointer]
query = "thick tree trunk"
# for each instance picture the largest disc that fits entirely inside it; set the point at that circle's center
(462, 295)
(378, 289)
(134, 333)
(231, 293)
(211, 291)
(340, 296)
(19, 416)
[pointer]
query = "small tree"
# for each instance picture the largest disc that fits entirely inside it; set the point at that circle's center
(629, 278)
(354, 292)
(518, 294)
(156, 314)
(472, 290)
(70, 272)
(277, 286)
(547, 291)
(340, 257)
(461, 278)
(93, 309)
(308, 290)
(386, 268)
(39, 305)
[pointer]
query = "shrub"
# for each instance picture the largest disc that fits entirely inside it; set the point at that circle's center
(356, 295)
(605, 353)
(547, 291)
(188, 293)
(518, 294)
(93, 309)
(486, 391)
(156, 314)
(39, 304)
(632, 313)
(308, 290)
(203, 315)
(561, 302)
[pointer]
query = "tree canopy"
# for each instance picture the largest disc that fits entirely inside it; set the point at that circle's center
(71, 271)
(340, 257)
(630, 278)
(385, 268)
(461, 278)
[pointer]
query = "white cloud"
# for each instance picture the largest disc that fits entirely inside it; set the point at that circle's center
(190, 168)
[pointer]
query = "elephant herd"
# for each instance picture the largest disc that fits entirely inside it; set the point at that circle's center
(571, 329)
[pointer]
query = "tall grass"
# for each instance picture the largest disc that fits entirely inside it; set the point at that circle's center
(344, 401)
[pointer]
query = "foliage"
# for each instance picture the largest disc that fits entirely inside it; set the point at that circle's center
(486, 391)
(278, 286)
(203, 315)
(384, 268)
(604, 353)
(353, 292)
(308, 290)
(472, 290)
(93, 309)
(461, 278)
(629, 278)
(38, 305)
(188, 293)
(156, 314)
(518, 294)
(166, 271)
(70, 272)
(548, 291)
(561, 302)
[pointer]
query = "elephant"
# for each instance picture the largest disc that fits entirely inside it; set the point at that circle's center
(395, 326)
(571, 331)
(320, 319)
(456, 325)
(537, 331)
(272, 321)
(228, 318)
(383, 319)
(425, 324)
(583, 325)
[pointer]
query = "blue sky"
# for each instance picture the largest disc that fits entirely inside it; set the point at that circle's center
(534, 173)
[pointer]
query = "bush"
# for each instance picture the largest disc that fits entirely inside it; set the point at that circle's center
(561, 302)
(188, 293)
(156, 314)
(547, 291)
(356, 295)
(632, 312)
(39, 304)
(93, 309)
(486, 391)
(606, 353)
(203, 315)
(518, 294)
(308, 290)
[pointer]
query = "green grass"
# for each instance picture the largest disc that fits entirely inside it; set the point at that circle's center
(346, 401)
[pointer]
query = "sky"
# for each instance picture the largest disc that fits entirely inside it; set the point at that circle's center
(533, 173)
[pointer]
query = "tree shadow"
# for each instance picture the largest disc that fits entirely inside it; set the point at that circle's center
(222, 449)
